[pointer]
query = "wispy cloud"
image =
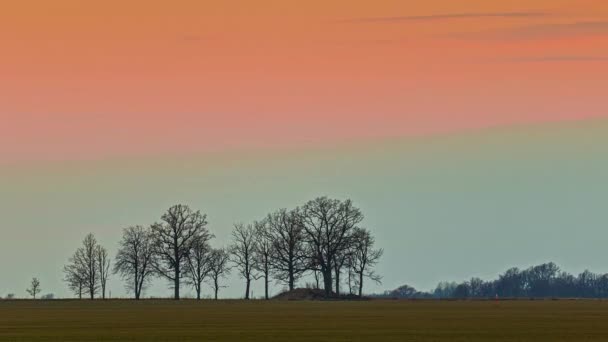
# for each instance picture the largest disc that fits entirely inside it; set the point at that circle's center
(548, 59)
(449, 16)
(544, 31)
(552, 59)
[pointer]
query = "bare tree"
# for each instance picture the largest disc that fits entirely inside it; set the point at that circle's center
(340, 260)
(134, 258)
(219, 268)
(34, 288)
(263, 252)
(242, 253)
(328, 224)
(364, 257)
(82, 270)
(289, 258)
(103, 266)
(74, 276)
(198, 261)
(173, 241)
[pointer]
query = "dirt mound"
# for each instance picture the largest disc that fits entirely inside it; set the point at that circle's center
(301, 294)
(312, 294)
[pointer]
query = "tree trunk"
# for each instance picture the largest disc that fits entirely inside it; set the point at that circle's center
(136, 286)
(266, 286)
(176, 283)
(177, 264)
(327, 283)
(216, 288)
(291, 276)
(360, 284)
(198, 292)
(247, 288)
(337, 281)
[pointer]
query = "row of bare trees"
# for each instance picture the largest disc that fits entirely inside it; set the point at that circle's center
(322, 237)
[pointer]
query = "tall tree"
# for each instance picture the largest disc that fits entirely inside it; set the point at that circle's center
(242, 253)
(34, 288)
(173, 239)
(199, 262)
(328, 224)
(134, 260)
(289, 258)
(364, 257)
(219, 268)
(103, 266)
(263, 252)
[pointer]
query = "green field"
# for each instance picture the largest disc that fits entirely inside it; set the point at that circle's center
(304, 321)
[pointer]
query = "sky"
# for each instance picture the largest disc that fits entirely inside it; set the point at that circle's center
(450, 111)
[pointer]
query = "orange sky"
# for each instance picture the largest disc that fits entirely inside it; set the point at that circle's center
(96, 79)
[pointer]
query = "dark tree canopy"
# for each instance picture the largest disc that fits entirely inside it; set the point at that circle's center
(541, 281)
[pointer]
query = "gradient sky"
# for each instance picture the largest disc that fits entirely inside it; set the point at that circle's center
(471, 133)
(99, 79)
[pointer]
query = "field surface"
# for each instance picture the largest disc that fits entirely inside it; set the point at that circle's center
(304, 321)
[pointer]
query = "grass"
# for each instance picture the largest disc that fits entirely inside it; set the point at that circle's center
(189, 320)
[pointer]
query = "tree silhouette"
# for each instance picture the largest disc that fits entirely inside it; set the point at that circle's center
(34, 288)
(173, 239)
(242, 253)
(199, 261)
(134, 258)
(289, 259)
(328, 224)
(219, 268)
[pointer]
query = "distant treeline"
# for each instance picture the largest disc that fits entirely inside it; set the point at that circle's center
(323, 240)
(542, 281)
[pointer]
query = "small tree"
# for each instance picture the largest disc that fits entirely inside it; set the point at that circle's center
(199, 263)
(364, 257)
(103, 266)
(86, 256)
(263, 252)
(74, 276)
(34, 288)
(218, 269)
(243, 253)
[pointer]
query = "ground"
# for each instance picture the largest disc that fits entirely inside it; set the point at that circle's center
(376, 320)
